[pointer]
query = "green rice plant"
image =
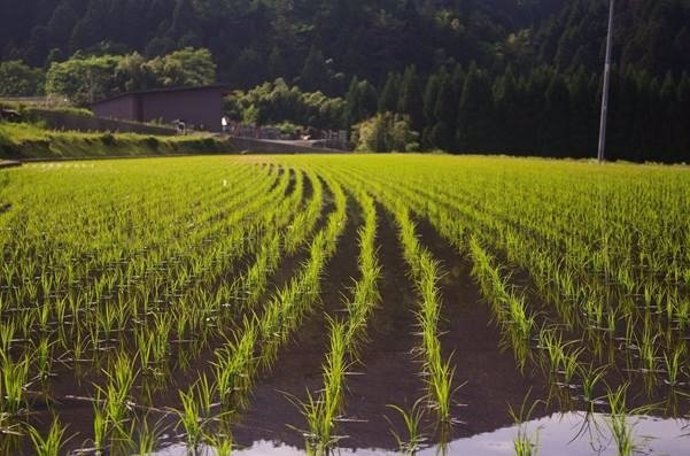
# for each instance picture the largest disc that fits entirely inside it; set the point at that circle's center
(51, 444)
(674, 365)
(221, 443)
(14, 378)
(101, 424)
(524, 442)
(116, 395)
(146, 437)
(233, 367)
(322, 411)
(591, 377)
(43, 354)
(7, 331)
(621, 430)
(413, 421)
(191, 420)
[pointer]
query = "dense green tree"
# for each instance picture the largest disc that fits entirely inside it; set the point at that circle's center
(186, 67)
(315, 73)
(19, 80)
(385, 132)
(474, 124)
(555, 127)
(410, 102)
(82, 79)
(390, 94)
(361, 101)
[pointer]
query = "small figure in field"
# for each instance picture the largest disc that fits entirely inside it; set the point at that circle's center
(224, 123)
(181, 127)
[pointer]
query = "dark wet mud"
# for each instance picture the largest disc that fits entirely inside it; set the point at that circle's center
(273, 414)
(487, 375)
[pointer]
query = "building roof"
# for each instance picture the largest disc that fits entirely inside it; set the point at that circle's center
(223, 88)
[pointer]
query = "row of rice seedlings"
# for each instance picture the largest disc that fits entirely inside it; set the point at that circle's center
(111, 417)
(251, 285)
(256, 342)
(568, 364)
(601, 318)
(106, 321)
(439, 372)
(603, 321)
(538, 259)
(206, 304)
(116, 274)
(322, 410)
(193, 308)
(509, 308)
(75, 275)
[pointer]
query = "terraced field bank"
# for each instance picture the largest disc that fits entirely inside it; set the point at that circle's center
(359, 304)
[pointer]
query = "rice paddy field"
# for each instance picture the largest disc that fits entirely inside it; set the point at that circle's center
(368, 305)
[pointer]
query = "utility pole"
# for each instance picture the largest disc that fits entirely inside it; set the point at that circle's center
(605, 95)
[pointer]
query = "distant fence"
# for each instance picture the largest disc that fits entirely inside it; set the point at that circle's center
(260, 146)
(57, 120)
(329, 139)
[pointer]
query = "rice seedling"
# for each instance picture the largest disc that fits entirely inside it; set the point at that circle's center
(525, 443)
(674, 363)
(14, 378)
(146, 437)
(412, 419)
(51, 444)
(221, 443)
(191, 420)
(620, 428)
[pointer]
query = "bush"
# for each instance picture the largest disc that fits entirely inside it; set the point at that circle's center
(108, 139)
(152, 142)
(385, 132)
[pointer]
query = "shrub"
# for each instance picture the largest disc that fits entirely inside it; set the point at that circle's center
(385, 132)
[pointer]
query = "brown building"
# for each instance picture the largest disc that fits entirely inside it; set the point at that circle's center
(200, 108)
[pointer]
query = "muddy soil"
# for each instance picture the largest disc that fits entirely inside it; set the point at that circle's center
(388, 373)
(70, 397)
(487, 376)
(272, 414)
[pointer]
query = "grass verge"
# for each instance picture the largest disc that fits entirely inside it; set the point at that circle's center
(22, 141)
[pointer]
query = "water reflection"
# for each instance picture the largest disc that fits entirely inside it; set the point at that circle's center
(570, 434)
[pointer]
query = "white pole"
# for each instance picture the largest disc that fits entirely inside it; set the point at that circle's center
(605, 95)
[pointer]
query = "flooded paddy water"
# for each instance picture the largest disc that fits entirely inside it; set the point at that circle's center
(307, 310)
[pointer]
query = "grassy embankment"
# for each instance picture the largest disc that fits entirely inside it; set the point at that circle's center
(30, 139)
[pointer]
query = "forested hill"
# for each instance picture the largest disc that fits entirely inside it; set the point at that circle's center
(323, 43)
(506, 76)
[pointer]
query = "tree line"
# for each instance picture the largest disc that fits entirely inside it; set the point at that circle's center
(542, 112)
(322, 44)
(86, 78)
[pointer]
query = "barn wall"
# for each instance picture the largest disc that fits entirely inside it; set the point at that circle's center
(201, 108)
(118, 108)
(56, 120)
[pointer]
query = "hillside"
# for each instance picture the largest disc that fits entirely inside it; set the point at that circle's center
(506, 76)
(253, 41)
